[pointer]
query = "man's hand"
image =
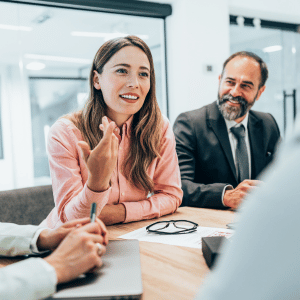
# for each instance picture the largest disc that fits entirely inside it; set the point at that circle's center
(113, 214)
(233, 198)
(78, 252)
(50, 239)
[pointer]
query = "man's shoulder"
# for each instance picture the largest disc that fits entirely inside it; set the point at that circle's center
(196, 115)
(266, 122)
(265, 117)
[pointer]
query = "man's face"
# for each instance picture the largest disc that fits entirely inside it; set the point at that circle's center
(239, 88)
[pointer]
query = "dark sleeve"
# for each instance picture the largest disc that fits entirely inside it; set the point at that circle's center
(276, 133)
(195, 193)
(273, 138)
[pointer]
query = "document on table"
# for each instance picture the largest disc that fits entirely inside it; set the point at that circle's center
(192, 240)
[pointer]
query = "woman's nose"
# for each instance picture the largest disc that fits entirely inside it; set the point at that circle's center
(133, 81)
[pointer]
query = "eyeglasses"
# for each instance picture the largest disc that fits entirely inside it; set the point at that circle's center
(172, 227)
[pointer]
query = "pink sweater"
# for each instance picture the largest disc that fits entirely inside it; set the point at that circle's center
(69, 175)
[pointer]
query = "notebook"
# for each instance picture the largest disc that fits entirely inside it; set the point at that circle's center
(119, 277)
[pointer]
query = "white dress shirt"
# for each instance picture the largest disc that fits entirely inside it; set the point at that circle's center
(31, 278)
(233, 140)
(233, 145)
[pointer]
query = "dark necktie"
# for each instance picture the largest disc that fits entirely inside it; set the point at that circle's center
(241, 153)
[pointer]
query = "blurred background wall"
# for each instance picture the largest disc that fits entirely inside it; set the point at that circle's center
(46, 52)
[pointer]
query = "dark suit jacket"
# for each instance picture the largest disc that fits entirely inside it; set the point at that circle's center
(205, 156)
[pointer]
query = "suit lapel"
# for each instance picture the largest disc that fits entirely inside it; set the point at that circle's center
(219, 127)
(256, 145)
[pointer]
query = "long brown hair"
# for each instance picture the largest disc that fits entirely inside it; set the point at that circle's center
(146, 127)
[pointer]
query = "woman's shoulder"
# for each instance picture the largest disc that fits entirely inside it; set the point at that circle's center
(66, 129)
(167, 131)
(165, 123)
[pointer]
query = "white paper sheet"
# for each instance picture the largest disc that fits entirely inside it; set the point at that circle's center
(192, 240)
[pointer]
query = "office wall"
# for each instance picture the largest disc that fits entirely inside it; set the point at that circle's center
(197, 37)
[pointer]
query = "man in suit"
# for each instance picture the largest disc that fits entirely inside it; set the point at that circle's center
(223, 147)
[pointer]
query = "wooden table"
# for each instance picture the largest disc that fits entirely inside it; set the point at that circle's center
(174, 272)
(170, 272)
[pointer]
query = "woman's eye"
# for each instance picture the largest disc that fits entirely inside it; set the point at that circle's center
(144, 74)
(122, 71)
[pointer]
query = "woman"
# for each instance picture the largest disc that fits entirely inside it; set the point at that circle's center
(128, 164)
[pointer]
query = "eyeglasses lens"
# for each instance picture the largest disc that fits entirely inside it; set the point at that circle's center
(184, 225)
(159, 226)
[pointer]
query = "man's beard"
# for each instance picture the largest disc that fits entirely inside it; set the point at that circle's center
(230, 112)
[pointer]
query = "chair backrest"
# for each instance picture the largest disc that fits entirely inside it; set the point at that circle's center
(26, 206)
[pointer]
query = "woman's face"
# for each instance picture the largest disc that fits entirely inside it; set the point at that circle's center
(124, 82)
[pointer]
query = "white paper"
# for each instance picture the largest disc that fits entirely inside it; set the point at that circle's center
(192, 240)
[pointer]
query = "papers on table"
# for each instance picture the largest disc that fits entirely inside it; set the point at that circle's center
(192, 240)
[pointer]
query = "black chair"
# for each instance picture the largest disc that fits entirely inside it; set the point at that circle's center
(26, 206)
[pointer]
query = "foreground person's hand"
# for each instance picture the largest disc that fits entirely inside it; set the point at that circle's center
(78, 253)
(49, 239)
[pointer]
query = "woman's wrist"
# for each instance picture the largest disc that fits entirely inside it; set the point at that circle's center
(97, 186)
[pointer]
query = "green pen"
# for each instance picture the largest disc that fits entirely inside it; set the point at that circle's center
(93, 212)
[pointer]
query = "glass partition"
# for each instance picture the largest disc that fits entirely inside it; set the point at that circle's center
(1, 143)
(45, 60)
(280, 50)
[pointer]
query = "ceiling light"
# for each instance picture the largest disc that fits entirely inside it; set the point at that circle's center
(59, 58)
(35, 66)
(13, 27)
(294, 50)
(272, 48)
(106, 36)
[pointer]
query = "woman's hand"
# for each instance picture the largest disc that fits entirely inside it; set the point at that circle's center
(104, 127)
(101, 161)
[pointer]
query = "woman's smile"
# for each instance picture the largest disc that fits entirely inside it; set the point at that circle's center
(130, 97)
